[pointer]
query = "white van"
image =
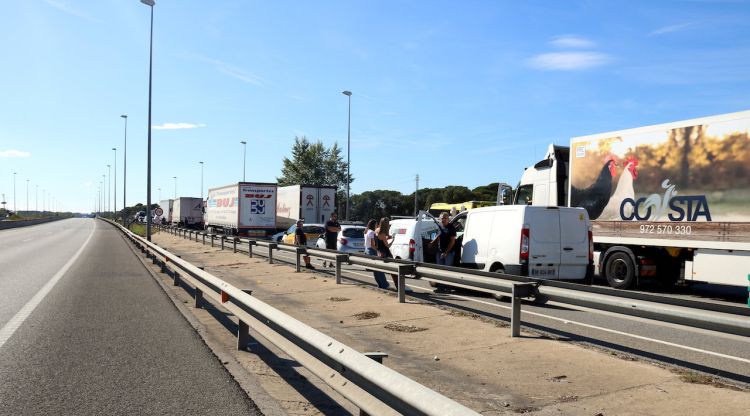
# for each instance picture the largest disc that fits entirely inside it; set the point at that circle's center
(411, 238)
(524, 240)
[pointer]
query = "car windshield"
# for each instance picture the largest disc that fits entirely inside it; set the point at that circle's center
(312, 229)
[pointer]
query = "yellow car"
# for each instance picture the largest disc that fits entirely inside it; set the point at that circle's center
(312, 231)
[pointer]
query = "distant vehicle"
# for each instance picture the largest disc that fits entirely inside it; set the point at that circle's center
(245, 209)
(310, 203)
(351, 239)
(140, 216)
(278, 236)
(523, 240)
(312, 232)
(411, 238)
(437, 208)
(187, 212)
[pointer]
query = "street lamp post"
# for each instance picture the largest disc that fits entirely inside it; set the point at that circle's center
(15, 208)
(175, 186)
(348, 149)
(201, 180)
(109, 188)
(151, 4)
(159, 189)
(125, 171)
(27, 197)
(104, 193)
(36, 199)
(114, 214)
(244, 158)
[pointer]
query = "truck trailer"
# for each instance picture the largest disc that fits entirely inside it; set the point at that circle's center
(244, 209)
(670, 201)
(188, 212)
(311, 203)
(167, 207)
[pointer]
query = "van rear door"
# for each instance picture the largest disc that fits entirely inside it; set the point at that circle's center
(544, 241)
(574, 243)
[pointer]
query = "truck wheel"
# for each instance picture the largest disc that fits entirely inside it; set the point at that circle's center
(620, 270)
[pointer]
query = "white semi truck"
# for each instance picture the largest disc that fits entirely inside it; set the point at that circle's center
(311, 203)
(669, 201)
(167, 207)
(187, 212)
(244, 209)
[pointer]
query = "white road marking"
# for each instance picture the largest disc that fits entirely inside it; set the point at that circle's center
(28, 239)
(568, 321)
(18, 319)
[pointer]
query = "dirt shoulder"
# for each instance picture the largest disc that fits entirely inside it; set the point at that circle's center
(473, 361)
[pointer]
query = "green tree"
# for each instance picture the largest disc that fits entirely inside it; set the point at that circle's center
(313, 164)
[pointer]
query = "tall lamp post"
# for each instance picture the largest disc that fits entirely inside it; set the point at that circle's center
(104, 193)
(15, 208)
(36, 199)
(151, 4)
(244, 158)
(114, 214)
(348, 149)
(109, 188)
(175, 186)
(159, 189)
(125, 170)
(201, 180)
(27, 197)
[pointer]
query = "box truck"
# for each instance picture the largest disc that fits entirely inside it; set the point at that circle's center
(187, 212)
(311, 203)
(670, 201)
(245, 209)
(167, 207)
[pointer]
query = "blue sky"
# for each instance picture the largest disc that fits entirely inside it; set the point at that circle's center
(461, 93)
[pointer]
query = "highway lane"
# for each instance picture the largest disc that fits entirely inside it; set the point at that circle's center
(102, 338)
(709, 351)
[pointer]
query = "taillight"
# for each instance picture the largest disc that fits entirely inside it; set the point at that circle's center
(343, 241)
(591, 247)
(524, 255)
(412, 248)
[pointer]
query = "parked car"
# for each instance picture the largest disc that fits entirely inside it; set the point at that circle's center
(278, 236)
(351, 239)
(312, 231)
(411, 238)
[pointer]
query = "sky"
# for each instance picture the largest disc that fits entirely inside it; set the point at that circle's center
(460, 93)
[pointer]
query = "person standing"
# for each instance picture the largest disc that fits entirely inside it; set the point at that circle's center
(445, 241)
(371, 250)
(383, 241)
(332, 233)
(300, 239)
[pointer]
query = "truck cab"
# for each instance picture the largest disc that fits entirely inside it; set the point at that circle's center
(545, 183)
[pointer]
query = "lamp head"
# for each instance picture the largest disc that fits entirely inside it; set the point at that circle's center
(347, 93)
(148, 2)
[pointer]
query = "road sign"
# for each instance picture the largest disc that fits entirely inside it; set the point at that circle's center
(158, 212)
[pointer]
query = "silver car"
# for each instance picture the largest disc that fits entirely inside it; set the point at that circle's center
(351, 239)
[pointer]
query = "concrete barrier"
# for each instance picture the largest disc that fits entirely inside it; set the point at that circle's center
(24, 223)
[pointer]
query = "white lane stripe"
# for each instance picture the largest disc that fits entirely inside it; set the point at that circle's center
(568, 321)
(18, 319)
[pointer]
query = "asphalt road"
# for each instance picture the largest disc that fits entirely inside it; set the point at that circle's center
(697, 349)
(84, 330)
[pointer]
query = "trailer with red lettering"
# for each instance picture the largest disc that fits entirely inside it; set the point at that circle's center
(244, 209)
(310, 203)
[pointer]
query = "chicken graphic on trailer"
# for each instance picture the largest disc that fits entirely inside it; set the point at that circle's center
(670, 201)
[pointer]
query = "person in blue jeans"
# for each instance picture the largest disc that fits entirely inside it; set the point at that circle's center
(371, 250)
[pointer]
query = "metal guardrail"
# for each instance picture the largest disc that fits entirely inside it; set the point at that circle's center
(374, 388)
(684, 312)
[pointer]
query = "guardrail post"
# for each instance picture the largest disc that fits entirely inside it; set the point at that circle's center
(164, 266)
(270, 252)
(223, 237)
(340, 258)
(378, 357)
(520, 290)
(403, 270)
(250, 244)
(243, 335)
(212, 240)
(204, 238)
(234, 244)
(176, 278)
(299, 251)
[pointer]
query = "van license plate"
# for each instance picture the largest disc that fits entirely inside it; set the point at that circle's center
(543, 272)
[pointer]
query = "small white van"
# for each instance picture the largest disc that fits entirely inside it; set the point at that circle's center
(411, 238)
(525, 240)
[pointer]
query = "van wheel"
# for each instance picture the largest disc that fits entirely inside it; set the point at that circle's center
(620, 270)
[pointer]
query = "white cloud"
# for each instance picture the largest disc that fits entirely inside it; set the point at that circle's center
(64, 7)
(568, 61)
(14, 153)
(671, 28)
(177, 126)
(572, 41)
(235, 72)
